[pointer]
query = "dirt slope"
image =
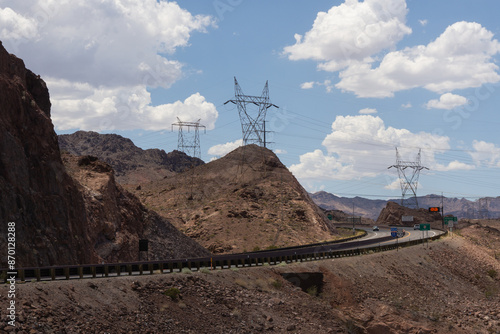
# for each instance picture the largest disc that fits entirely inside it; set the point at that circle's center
(245, 200)
(448, 286)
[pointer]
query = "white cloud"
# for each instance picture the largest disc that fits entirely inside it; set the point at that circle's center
(366, 111)
(406, 105)
(280, 151)
(96, 55)
(310, 84)
(447, 101)
(460, 58)
(15, 26)
(423, 23)
(223, 149)
(363, 146)
(396, 184)
(485, 154)
(351, 32)
(122, 108)
(307, 85)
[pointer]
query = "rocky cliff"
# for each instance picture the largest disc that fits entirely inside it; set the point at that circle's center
(132, 165)
(55, 217)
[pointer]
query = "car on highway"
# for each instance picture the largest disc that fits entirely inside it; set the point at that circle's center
(375, 228)
(416, 227)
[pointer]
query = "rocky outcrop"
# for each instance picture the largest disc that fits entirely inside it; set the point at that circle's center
(59, 220)
(116, 219)
(392, 215)
(132, 165)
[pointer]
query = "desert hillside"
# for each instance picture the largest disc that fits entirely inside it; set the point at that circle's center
(243, 201)
(132, 165)
(448, 286)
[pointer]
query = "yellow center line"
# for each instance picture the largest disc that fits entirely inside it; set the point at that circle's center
(406, 236)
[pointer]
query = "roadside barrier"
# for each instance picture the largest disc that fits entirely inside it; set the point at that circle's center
(271, 257)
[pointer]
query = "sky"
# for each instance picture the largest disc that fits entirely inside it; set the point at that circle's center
(352, 80)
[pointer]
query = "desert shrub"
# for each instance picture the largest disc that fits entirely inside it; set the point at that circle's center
(173, 293)
(186, 270)
(492, 273)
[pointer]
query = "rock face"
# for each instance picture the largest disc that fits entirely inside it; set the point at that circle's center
(57, 220)
(116, 219)
(132, 165)
(35, 191)
(244, 201)
(392, 215)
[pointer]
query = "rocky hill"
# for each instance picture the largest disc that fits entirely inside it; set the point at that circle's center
(243, 201)
(132, 165)
(60, 220)
(393, 213)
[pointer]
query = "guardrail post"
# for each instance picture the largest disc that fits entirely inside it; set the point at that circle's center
(118, 270)
(151, 268)
(93, 271)
(21, 274)
(160, 266)
(171, 267)
(106, 270)
(129, 269)
(80, 272)
(53, 274)
(140, 269)
(37, 274)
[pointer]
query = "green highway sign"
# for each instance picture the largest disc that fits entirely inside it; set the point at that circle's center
(425, 227)
(449, 219)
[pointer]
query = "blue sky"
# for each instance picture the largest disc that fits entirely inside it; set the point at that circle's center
(353, 80)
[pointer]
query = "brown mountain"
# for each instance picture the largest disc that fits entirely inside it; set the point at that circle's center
(132, 165)
(487, 207)
(58, 219)
(243, 201)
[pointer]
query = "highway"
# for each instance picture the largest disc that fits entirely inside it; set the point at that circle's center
(373, 241)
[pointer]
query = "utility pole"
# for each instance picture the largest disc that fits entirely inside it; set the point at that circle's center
(252, 123)
(408, 181)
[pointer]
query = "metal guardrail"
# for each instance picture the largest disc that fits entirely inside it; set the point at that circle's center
(272, 257)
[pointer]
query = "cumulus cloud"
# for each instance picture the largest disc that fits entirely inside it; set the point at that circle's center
(367, 111)
(460, 58)
(307, 85)
(351, 32)
(485, 154)
(363, 146)
(96, 55)
(423, 23)
(447, 101)
(223, 149)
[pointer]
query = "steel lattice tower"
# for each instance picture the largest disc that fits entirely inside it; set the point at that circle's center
(253, 124)
(409, 181)
(189, 144)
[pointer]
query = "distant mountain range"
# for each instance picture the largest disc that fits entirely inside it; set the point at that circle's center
(487, 207)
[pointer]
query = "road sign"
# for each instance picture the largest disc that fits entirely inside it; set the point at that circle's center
(394, 232)
(449, 219)
(407, 218)
(450, 224)
(434, 209)
(425, 227)
(330, 217)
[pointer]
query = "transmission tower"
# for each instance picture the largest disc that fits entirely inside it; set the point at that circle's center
(253, 123)
(189, 144)
(408, 172)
